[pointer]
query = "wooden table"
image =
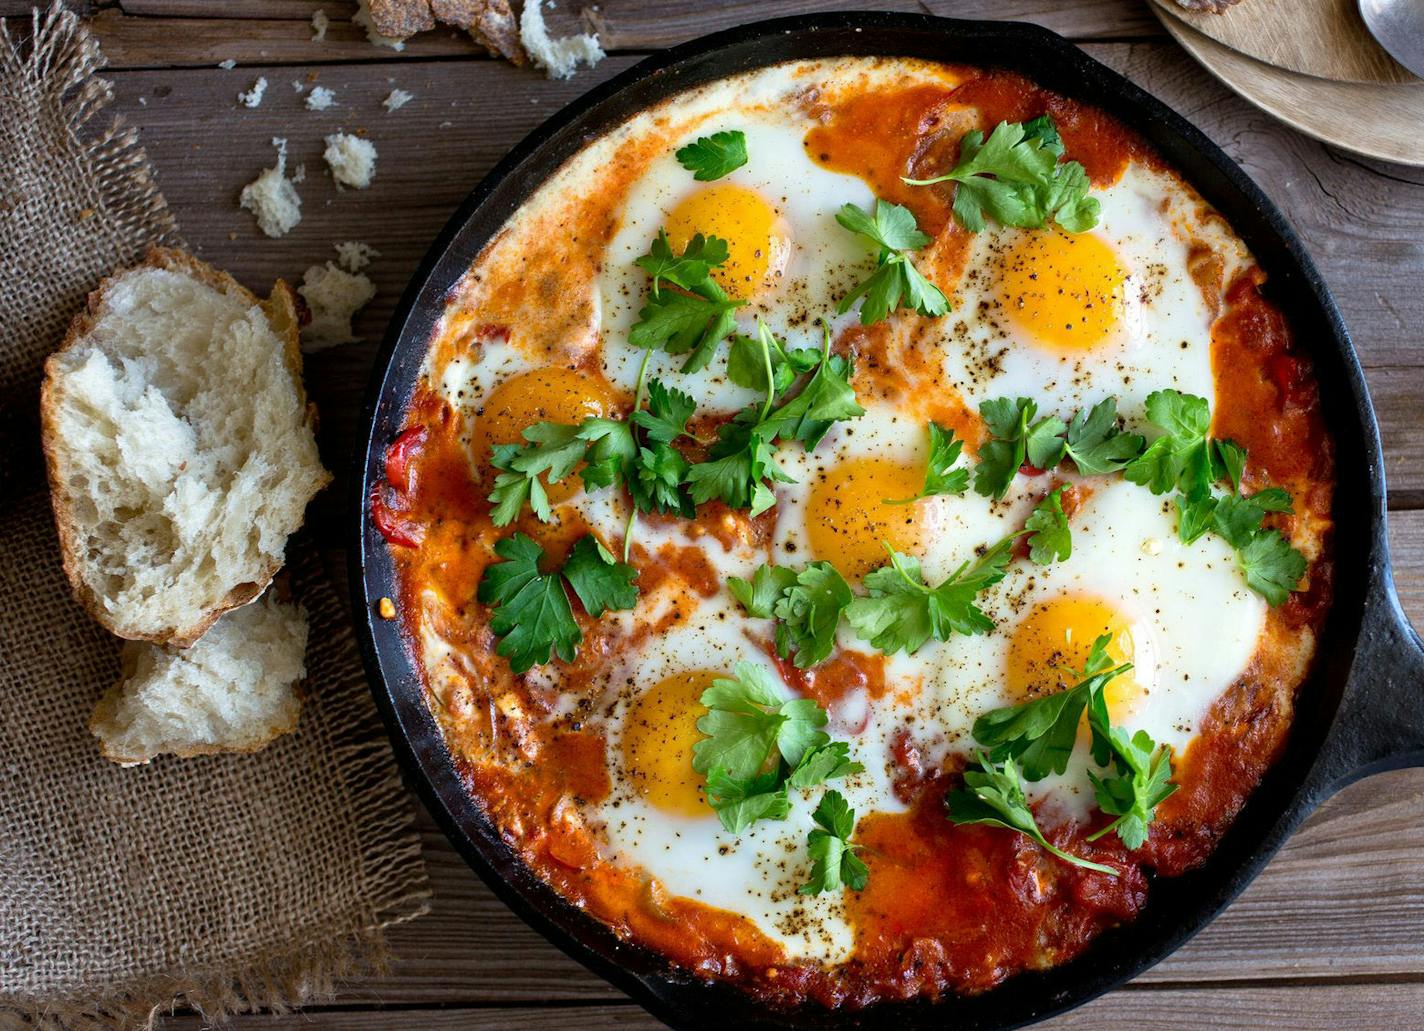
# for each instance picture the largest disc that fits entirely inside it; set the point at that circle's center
(1331, 935)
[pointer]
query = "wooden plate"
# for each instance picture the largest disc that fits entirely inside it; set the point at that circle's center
(1373, 119)
(1324, 38)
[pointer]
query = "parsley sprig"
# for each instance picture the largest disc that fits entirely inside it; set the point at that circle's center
(895, 282)
(1187, 459)
(994, 795)
(1039, 736)
(743, 460)
(712, 157)
(1272, 567)
(834, 864)
(940, 475)
(807, 606)
(532, 615)
(1091, 440)
(902, 611)
(1050, 539)
(758, 745)
(1041, 732)
(1016, 177)
(686, 312)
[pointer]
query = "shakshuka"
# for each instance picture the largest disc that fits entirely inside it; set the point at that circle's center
(859, 522)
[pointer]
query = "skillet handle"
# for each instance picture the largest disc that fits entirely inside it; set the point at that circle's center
(1380, 722)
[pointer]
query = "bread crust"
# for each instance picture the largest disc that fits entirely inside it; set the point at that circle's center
(281, 311)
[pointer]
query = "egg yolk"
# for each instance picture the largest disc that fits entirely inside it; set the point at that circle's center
(659, 730)
(554, 394)
(1067, 291)
(848, 522)
(1056, 638)
(757, 242)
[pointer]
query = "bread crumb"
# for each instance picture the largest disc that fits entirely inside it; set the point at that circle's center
(558, 57)
(387, 608)
(272, 197)
(351, 159)
(298, 85)
(353, 256)
(300, 175)
(319, 23)
(446, 125)
(397, 99)
(320, 98)
(363, 18)
(253, 97)
(227, 65)
(143, 102)
(333, 296)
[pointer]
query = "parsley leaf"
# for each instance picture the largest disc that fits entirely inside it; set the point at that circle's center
(746, 365)
(1142, 783)
(600, 581)
(903, 612)
(738, 464)
(1014, 438)
(1050, 540)
(711, 157)
(741, 803)
(531, 611)
(665, 418)
(701, 255)
(748, 719)
(1015, 177)
(553, 451)
(827, 397)
(994, 795)
(834, 862)
(760, 595)
(940, 476)
(758, 745)
(1272, 566)
(818, 765)
(1182, 457)
(743, 457)
(532, 616)
(895, 281)
(1041, 732)
(806, 605)
(695, 317)
(1096, 445)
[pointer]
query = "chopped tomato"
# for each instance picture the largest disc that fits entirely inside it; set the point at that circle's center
(393, 525)
(398, 456)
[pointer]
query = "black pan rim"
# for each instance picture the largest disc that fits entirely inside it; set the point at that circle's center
(630, 967)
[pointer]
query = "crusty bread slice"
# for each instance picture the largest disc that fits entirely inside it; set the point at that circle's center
(234, 691)
(180, 446)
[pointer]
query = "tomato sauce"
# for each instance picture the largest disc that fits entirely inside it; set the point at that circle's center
(946, 908)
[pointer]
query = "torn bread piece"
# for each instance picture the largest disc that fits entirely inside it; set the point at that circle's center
(180, 446)
(235, 690)
(272, 198)
(351, 159)
(560, 57)
(334, 296)
(491, 23)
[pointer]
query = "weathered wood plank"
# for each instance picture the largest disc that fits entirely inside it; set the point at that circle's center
(1370, 1007)
(187, 33)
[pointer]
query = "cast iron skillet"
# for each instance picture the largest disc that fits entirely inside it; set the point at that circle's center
(1361, 710)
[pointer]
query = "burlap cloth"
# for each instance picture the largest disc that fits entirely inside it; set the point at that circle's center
(224, 883)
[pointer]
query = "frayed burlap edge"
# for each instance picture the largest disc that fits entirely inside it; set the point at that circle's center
(60, 57)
